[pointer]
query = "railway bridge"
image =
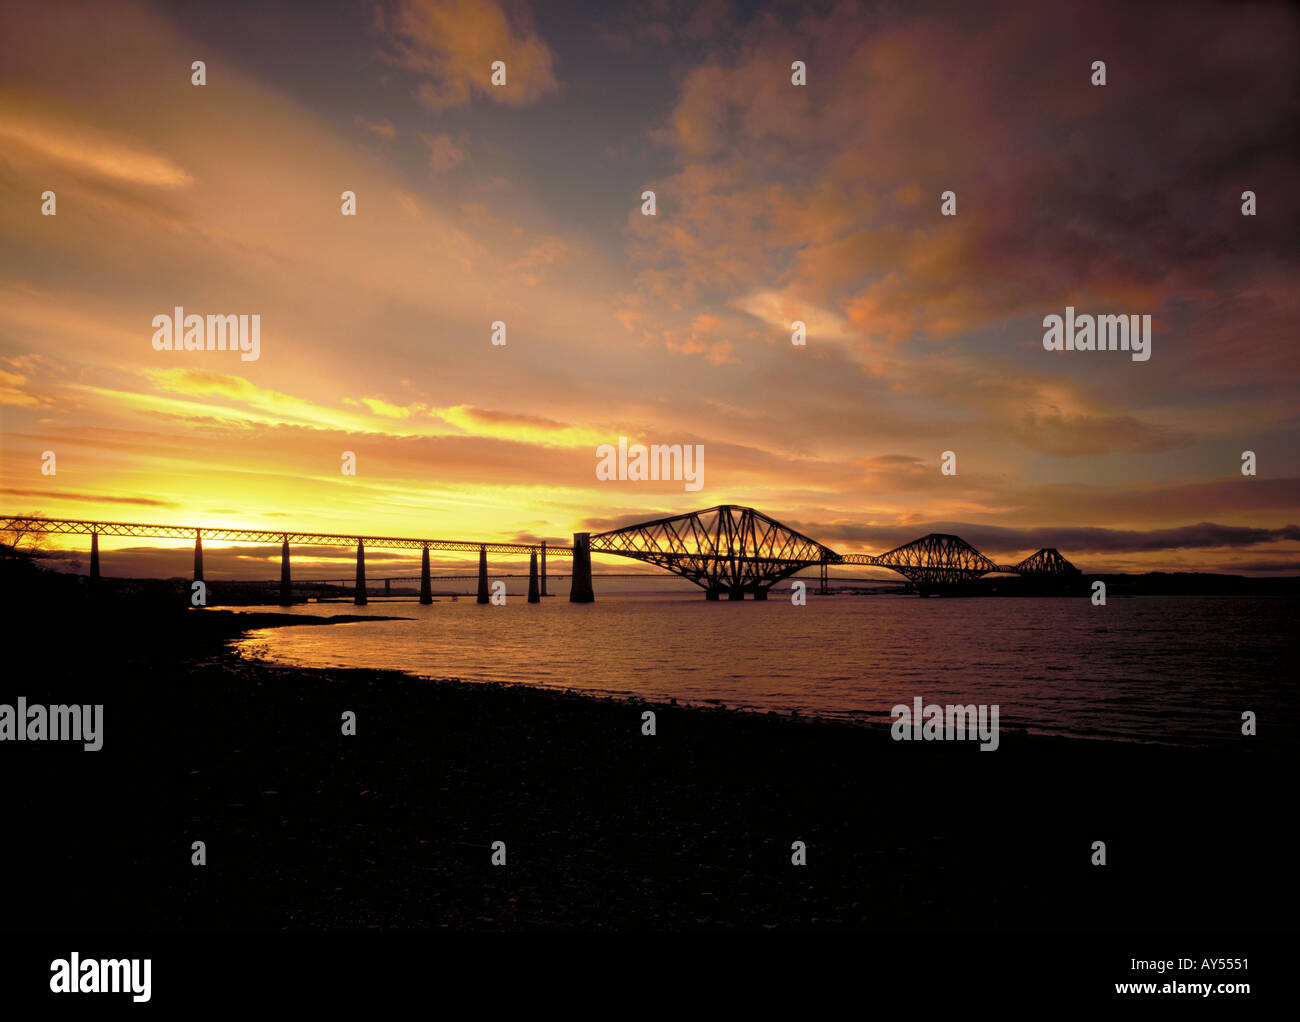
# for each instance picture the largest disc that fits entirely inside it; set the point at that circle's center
(725, 550)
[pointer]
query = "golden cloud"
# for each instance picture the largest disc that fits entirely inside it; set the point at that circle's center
(452, 44)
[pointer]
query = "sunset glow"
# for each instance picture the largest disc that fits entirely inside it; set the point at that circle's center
(522, 205)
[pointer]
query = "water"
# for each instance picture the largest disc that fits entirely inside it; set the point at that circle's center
(1171, 669)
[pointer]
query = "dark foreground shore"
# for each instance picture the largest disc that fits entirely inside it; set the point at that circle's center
(604, 827)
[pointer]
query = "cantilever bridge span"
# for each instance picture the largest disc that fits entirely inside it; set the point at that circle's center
(725, 549)
(738, 550)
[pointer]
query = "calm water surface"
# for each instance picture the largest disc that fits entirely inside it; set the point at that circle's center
(1153, 669)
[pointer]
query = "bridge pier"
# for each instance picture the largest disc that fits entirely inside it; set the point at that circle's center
(544, 592)
(735, 593)
(482, 575)
(286, 582)
(198, 556)
(359, 594)
(580, 590)
(824, 586)
(94, 556)
(426, 587)
(712, 594)
(760, 594)
(534, 595)
(388, 587)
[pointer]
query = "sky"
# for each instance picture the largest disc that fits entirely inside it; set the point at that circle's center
(775, 202)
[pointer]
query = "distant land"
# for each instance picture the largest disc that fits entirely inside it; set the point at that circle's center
(1151, 583)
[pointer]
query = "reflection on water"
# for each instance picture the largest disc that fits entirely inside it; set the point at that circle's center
(1162, 669)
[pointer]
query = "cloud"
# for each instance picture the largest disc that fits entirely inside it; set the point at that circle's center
(88, 498)
(1283, 567)
(522, 428)
(707, 336)
(1066, 538)
(779, 311)
(539, 257)
(383, 128)
(445, 152)
(384, 408)
(12, 392)
(82, 148)
(835, 207)
(452, 44)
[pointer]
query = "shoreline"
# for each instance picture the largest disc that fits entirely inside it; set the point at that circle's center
(876, 721)
(605, 828)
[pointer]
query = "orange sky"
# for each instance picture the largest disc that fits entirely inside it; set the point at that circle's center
(775, 203)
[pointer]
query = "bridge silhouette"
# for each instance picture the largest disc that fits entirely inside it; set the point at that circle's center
(728, 549)
(740, 551)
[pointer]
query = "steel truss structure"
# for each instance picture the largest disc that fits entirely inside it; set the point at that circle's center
(724, 549)
(936, 560)
(1047, 561)
(73, 527)
(740, 550)
(727, 548)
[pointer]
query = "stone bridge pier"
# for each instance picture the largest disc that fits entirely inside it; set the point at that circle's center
(580, 590)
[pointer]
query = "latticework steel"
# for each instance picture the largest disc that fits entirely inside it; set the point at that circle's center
(73, 527)
(728, 548)
(1047, 561)
(721, 549)
(937, 559)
